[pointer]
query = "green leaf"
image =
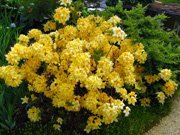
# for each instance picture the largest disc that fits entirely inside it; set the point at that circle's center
(4, 126)
(1, 98)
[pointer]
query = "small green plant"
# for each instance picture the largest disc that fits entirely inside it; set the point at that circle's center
(8, 33)
(9, 100)
(6, 109)
(10, 4)
(9, 97)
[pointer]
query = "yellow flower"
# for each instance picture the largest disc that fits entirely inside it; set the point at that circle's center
(34, 33)
(24, 40)
(57, 127)
(115, 80)
(17, 53)
(126, 59)
(123, 93)
(11, 75)
(170, 87)
(126, 111)
(34, 114)
(132, 98)
(105, 25)
(110, 111)
(130, 79)
(59, 120)
(118, 32)
(165, 74)
(140, 55)
(62, 15)
(151, 78)
(49, 26)
(69, 32)
(65, 2)
(93, 123)
(39, 84)
(25, 100)
(145, 102)
(90, 101)
(93, 82)
(161, 97)
(114, 20)
(104, 67)
(62, 93)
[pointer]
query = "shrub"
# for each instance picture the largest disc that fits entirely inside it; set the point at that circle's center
(32, 12)
(88, 67)
(162, 46)
(128, 2)
(29, 12)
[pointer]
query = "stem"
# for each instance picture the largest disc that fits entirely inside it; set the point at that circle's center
(109, 51)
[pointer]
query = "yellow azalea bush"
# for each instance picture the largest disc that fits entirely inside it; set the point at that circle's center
(80, 66)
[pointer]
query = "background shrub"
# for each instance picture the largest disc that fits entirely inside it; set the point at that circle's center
(162, 46)
(128, 2)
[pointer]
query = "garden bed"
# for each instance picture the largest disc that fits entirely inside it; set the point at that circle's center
(81, 71)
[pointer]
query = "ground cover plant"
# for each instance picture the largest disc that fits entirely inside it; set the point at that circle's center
(93, 77)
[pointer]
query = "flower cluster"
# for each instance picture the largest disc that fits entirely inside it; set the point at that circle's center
(168, 87)
(65, 2)
(82, 58)
(49, 26)
(62, 14)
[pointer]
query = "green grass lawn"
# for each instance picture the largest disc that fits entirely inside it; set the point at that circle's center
(170, 1)
(140, 120)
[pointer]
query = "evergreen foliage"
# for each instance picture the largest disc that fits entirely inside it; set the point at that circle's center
(128, 2)
(162, 46)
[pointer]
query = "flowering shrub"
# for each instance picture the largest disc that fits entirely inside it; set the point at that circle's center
(90, 66)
